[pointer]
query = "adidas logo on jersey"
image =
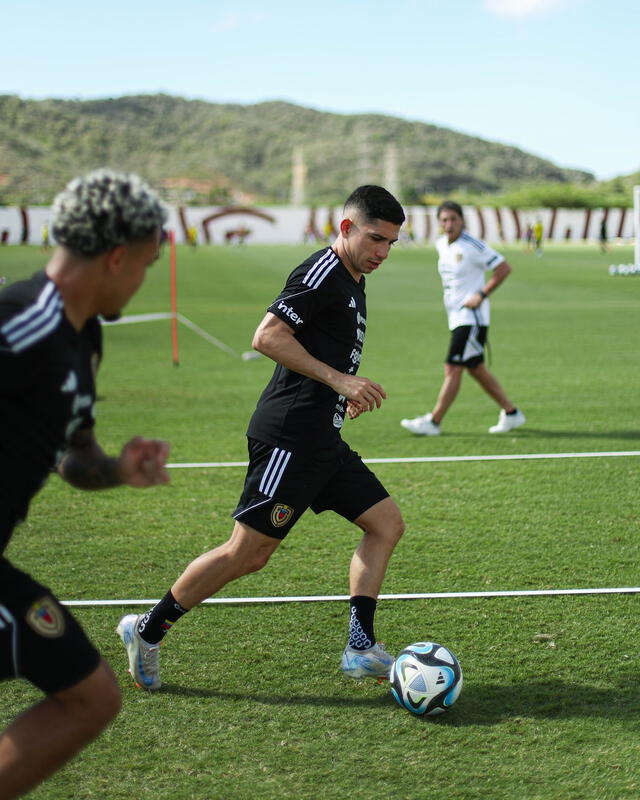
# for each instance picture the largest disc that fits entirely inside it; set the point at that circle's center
(352, 303)
(71, 383)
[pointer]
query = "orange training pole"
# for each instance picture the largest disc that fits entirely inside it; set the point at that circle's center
(174, 299)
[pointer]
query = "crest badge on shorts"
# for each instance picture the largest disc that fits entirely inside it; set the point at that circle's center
(280, 515)
(46, 618)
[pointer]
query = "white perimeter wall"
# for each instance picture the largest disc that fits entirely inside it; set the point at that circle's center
(289, 223)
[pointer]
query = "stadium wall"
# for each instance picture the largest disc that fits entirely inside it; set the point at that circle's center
(291, 224)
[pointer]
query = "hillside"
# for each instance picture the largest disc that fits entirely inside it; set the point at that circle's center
(222, 151)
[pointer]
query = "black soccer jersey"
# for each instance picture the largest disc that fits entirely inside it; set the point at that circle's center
(47, 389)
(326, 308)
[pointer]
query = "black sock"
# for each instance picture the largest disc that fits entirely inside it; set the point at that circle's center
(153, 625)
(362, 609)
(511, 413)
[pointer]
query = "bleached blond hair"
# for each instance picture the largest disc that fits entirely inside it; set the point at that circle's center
(103, 209)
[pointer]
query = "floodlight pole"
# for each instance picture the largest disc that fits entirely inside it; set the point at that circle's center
(174, 300)
(636, 223)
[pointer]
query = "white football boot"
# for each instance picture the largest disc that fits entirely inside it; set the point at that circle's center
(144, 664)
(421, 426)
(507, 422)
(372, 663)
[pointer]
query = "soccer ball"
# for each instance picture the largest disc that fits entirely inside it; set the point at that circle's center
(426, 678)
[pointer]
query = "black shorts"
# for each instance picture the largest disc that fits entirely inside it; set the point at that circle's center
(39, 639)
(282, 484)
(466, 348)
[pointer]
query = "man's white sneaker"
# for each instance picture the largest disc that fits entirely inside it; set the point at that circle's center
(143, 658)
(372, 663)
(421, 426)
(507, 422)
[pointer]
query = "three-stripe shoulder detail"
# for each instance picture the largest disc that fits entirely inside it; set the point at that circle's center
(35, 322)
(477, 243)
(319, 271)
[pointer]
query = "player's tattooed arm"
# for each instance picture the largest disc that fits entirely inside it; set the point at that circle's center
(142, 463)
(86, 466)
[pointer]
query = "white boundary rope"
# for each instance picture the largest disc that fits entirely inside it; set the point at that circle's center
(416, 596)
(334, 597)
(134, 318)
(429, 459)
(206, 336)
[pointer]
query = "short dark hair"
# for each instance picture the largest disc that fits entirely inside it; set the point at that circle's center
(450, 205)
(375, 202)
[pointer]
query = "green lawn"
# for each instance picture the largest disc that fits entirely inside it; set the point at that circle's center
(254, 706)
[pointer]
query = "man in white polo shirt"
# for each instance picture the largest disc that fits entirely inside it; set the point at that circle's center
(462, 263)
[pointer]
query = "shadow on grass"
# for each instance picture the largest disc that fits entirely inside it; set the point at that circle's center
(555, 699)
(478, 705)
(325, 701)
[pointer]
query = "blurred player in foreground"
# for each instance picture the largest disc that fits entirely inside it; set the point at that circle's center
(314, 330)
(107, 227)
(463, 261)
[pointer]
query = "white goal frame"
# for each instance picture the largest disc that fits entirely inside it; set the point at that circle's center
(631, 269)
(636, 224)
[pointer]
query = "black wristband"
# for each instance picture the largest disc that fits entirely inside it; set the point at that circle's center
(482, 293)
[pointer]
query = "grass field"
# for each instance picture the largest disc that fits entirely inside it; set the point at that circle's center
(254, 706)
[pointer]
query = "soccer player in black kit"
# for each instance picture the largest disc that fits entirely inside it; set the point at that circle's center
(107, 226)
(314, 331)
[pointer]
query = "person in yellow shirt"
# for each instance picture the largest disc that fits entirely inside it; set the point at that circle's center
(537, 237)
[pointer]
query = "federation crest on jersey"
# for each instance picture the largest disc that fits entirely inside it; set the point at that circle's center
(280, 515)
(338, 419)
(459, 257)
(46, 618)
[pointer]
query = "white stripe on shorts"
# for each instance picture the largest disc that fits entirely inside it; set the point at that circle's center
(274, 471)
(7, 620)
(472, 347)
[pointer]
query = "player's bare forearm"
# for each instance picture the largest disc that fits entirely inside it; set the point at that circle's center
(142, 463)
(276, 340)
(497, 277)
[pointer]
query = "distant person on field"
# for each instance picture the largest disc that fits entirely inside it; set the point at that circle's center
(537, 237)
(462, 263)
(329, 230)
(314, 331)
(45, 236)
(309, 235)
(408, 235)
(528, 241)
(107, 227)
(192, 236)
(604, 237)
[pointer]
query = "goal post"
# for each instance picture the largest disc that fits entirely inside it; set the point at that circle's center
(174, 299)
(636, 224)
(631, 269)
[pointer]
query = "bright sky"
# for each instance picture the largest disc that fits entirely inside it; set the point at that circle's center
(558, 78)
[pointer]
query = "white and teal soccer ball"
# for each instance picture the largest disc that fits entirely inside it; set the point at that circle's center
(426, 678)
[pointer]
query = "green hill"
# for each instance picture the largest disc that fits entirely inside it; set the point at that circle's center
(221, 151)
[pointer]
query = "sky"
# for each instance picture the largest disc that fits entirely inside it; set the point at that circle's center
(557, 78)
